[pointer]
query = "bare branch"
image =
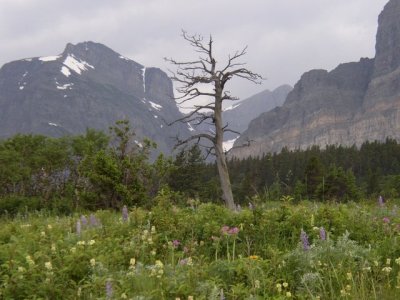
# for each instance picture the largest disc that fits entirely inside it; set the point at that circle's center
(197, 137)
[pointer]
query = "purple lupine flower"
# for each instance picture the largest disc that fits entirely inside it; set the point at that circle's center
(381, 201)
(322, 233)
(183, 262)
(176, 243)
(304, 240)
(84, 221)
(386, 220)
(125, 214)
(78, 227)
(109, 289)
(233, 230)
(93, 221)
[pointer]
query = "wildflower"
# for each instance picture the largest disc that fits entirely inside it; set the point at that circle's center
(376, 263)
(159, 263)
(285, 285)
(153, 252)
(312, 220)
(124, 296)
(92, 262)
(153, 229)
(251, 206)
(48, 265)
(349, 276)
(367, 269)
(109, 289)
(322, 234)
(190, 261)
(254, 257)
(225, 229)
(190, 298)
(49, 227)
(91, 242)
(279, 287)
(93, 221)
(288, 294)
(304, 240)
(386, 220)
(29, 260)
(73, 250)
(233, 230)
(387, 270)
(397, 261)
(348, 287)
(79, 292)
(43, 234)
(257, 284)
(84, 221)
(21, 269)
(215, 239)
(132, 261)
(176, 243)
(388, 260)
(381, 201)
(125, 214)
(81, 243)
(78, 227)
(53, 247)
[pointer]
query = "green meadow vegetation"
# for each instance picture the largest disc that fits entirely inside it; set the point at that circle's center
(97, 216)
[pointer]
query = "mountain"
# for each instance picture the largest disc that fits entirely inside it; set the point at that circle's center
(239, 115)
(87, 86)
(349, 105)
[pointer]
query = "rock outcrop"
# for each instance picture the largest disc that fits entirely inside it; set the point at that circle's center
(349, 105)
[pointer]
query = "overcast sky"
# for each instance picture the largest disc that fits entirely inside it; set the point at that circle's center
(285, 38)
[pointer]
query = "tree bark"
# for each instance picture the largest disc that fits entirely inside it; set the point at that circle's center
(222, 166)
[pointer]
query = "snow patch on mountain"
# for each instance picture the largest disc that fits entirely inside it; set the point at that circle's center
(227, 145)
(76, 65)
(155, 105)
(49, 58)
(65, 71)
(190, 127)
(144, 79)
(64, 86)
(232, 107)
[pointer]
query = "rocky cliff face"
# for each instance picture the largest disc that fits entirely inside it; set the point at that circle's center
(239, 115)
(353, 103)
(87, 86)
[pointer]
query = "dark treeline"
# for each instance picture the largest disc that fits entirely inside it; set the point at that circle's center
(100, 171)
(335, 173)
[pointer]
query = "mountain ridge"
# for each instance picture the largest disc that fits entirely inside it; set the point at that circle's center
(87, 86)
(353, 103)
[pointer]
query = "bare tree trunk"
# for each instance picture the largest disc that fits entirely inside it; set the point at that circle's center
(223, 172)
(225, 181)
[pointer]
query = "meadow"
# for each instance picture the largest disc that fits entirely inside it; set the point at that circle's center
(277, 250)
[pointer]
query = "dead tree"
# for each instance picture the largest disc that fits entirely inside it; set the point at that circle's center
(192, 79)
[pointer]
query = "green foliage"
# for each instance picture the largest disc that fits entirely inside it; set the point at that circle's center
(205, 252)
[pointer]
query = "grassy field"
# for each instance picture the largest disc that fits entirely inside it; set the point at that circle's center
(298, 251)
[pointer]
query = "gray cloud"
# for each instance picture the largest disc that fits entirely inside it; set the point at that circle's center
(285, 37)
